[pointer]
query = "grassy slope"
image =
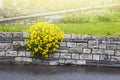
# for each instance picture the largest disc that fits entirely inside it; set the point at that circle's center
(103, 29)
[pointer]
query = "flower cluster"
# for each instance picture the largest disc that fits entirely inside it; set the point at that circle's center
(43, 39)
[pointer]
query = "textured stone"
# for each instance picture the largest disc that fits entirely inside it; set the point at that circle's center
(17, 35)
(25, 34)
(63, 51)
(70, 61)
(102, 46)
(98, 38)
(82, 45)
(105, 57)
(2, 53)
(86, 37)
(21, 53)
(75, 56)
(118, 46)
(115, 42)
(86, 56)
(63, 44)
(86, 50)
(6, 34)
(67, 36)
(71, 44)
(93, 44)
(61, 61)
(5, 46)
(65, 55)
(75, 36)
(115, 58)
(27, 59)
(96, 57)
(117, 52)
(109, 52)
(111, 46)
(28, 54)
(76, 50)
(18, 43)
(98, 51)
(18, 59)
(56, 55)
(81, 62)
(11, 53)
(112, 38)
(55, 62)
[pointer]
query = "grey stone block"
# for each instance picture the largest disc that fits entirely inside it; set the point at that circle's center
(86, 50)
(76, 50)
(61, 61)
(21, 53)
(65, 55)
(98, 38)
(67, 36)
(17, 35)
(112, 38)
(96, 57)
(97, 51)
(18, 59)
(2, 53)
(63, 51)
(117, 52)
(109, 52)
(6, 34)
(82, 45)
(118, 46)
(63, 44)
(115, 58)
(56, 55)
(75, 36)
(28, 54)
(115, 42)
(81, 62)
(71, 44)
(55, 62)
(104, 57)
(111, 46)
(75, 56)
(102, 46)
(25, 34)
(5, 46)
(70, 61)
(27, 59)
(18, 43)
(93, 44)
(86, 37)
(86, 56)
(11, 53)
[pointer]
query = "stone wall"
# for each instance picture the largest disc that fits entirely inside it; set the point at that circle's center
(75, 50)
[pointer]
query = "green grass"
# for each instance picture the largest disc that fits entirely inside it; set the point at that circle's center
(102, 29)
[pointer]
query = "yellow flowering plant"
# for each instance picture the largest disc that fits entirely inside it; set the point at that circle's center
(44, 39)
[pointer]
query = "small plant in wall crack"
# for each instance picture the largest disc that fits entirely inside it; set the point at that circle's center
(43, 39)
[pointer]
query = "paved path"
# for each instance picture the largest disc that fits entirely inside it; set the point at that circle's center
(35, 72)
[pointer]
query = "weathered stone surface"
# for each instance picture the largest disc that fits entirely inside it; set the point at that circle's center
(96, 57)
(67, 36)
(105, 57)
(63, 51)
(17, 34)
(54, 62)
(93, 44)
(86, 50)
(65, 55)
(117, 52)
(21, 53)
(118, 46)
(6, 34)
(109, 52)
(86, 56)
(71, 44)
(25, 34)
(63, 44)
(86, 37)
(61, 61)
(76, 50)
(82, 45)
(112, 38)
(2, 53)
(27, 59)
(5, 46)
(102, 46)
(111, 46)
(81, 62)
(115, 42)
(115, 58)
(56, 55)
(18, 43)
(74, 36)
(98, 51)
(18, 59)
(98, 38)
(28, 54)
(75, 56)
(70, 61)
(11, 53)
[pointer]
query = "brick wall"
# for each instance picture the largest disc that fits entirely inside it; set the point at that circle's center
(75, 50)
